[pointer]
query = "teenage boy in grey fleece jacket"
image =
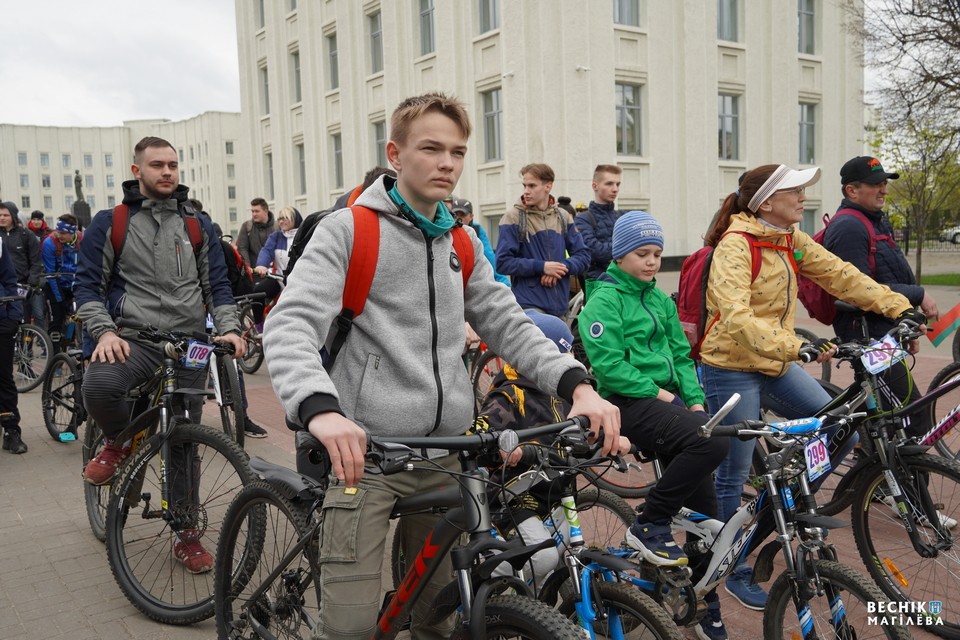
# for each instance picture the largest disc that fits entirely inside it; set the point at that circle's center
(399, 372)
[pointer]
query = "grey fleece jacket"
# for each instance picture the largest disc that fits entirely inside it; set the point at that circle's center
(399, 372)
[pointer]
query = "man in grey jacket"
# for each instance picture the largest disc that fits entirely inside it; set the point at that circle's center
(254, 232)
(400, 372)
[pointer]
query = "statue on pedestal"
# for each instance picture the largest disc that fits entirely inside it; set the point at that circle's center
(78, 185)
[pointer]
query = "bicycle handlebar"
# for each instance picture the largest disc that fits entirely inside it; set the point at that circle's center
(179, 339)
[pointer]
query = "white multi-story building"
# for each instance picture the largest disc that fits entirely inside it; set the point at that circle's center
(38, 164)
(684, 95)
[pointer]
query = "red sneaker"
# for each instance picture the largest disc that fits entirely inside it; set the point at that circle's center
(101, 469)
(191, 554)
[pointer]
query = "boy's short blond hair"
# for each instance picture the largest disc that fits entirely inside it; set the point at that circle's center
(417, 106)
(606, 168)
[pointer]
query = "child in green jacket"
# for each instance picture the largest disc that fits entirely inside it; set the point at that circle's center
(642, 364)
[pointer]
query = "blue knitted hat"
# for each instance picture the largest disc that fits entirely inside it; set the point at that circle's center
(633, 230)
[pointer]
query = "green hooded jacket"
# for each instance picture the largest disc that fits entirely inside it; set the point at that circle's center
(634, 341)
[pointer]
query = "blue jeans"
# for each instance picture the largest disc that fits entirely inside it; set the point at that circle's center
(794, 395)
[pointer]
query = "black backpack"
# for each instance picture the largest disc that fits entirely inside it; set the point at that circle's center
(302, 237)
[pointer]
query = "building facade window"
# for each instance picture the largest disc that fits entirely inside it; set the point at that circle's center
(728, 126)
(190, 148)
(44, 159)
(629, 141)
(111, 201)
(228, 147)
(66, 160)
(626, 12)
(427, 40)
(806, 39)
(67, 181)
(295, 70)
(376, 42)
(380, 143)
(108, 159)
(231, 170)
(232, 214)
(45, 181)
(492, 124)
(337, 142)
(268, 169)
(292, 5)
(22, 158)
(92, 201)
(301, 160)
(489, 15)
(110, 182)
(88, 181)
(808, 128)
(727, 20)
(24, 202)
(333, 63)
(261, 14)
(48, 202)
(24, 181)
(231, 192)
(264, 90)
(180, 154)
(88, 160)
(68, 201)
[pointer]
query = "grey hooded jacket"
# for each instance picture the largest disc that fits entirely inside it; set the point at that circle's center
(399, 372)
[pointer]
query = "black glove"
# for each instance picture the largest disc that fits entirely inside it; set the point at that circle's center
(913, 316)
(810, 352)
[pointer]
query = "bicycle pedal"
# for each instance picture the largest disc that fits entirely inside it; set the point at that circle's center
(676, 576)
(67, 436)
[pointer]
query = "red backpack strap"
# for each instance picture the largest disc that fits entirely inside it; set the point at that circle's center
(354, 195)
(872, 235)
(464, 250)
(118, 229)
(195, 232)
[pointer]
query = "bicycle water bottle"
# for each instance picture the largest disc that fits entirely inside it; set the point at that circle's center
(572, 520)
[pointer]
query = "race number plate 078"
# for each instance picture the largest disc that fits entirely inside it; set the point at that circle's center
(198, 353)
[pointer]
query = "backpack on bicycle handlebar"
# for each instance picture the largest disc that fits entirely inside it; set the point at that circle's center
(363, 266)
(692, 288)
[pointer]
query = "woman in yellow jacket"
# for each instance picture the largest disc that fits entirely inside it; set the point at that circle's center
(750, 347)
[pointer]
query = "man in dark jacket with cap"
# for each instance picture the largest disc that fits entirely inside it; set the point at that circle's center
(24, 250)
(864, 184)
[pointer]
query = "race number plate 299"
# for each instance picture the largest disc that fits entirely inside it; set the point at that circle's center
(818, 459)
(198, 353)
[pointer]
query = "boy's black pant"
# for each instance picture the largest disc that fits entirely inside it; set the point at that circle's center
(688, 460)
(8, 387)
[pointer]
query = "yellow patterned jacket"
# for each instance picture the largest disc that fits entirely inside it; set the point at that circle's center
(754, 331)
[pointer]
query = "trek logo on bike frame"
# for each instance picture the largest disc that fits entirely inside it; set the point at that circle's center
(409, 585)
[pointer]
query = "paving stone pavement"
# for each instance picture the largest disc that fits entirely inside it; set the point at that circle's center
(54, 577)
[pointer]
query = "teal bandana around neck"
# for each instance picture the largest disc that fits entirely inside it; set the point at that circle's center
(442, 222)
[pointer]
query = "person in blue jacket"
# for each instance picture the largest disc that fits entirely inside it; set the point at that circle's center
(462, 210)
(596, 223)
(539, 246)
(60, 253)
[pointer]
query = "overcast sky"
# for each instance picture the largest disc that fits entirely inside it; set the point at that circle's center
(98, 63)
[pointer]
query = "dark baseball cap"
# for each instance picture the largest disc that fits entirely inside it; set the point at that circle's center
(864, 169)
(460, 205)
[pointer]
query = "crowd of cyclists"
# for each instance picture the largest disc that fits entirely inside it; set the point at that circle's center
(161, 263)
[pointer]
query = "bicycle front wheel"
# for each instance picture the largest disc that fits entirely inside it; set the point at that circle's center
(253, 358)
(949, 445)
(261, 529)
(623, 611)
(96, 498)
(60, 397)
(232, 414)
(33, 352)
(512, 616)
(885, 545)
(604, 517)
(159, 553)
(844, 591)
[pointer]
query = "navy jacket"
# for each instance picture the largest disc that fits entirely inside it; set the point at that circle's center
(24, 250)
(848, 239)
(596, 226)
(8, 287)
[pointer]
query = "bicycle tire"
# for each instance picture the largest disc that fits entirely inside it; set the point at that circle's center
(949, 445)
(140, 543)
(640, 616)
(780, 618)
(513, 616)
(956, 346)
(813, 368)
(233, 416)
(486, 368)
(261, 519)
(885, 546)
(251, 361)
(604, 517)
(60, 397)
(32, 355)
(97, 498)
(632, 484)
